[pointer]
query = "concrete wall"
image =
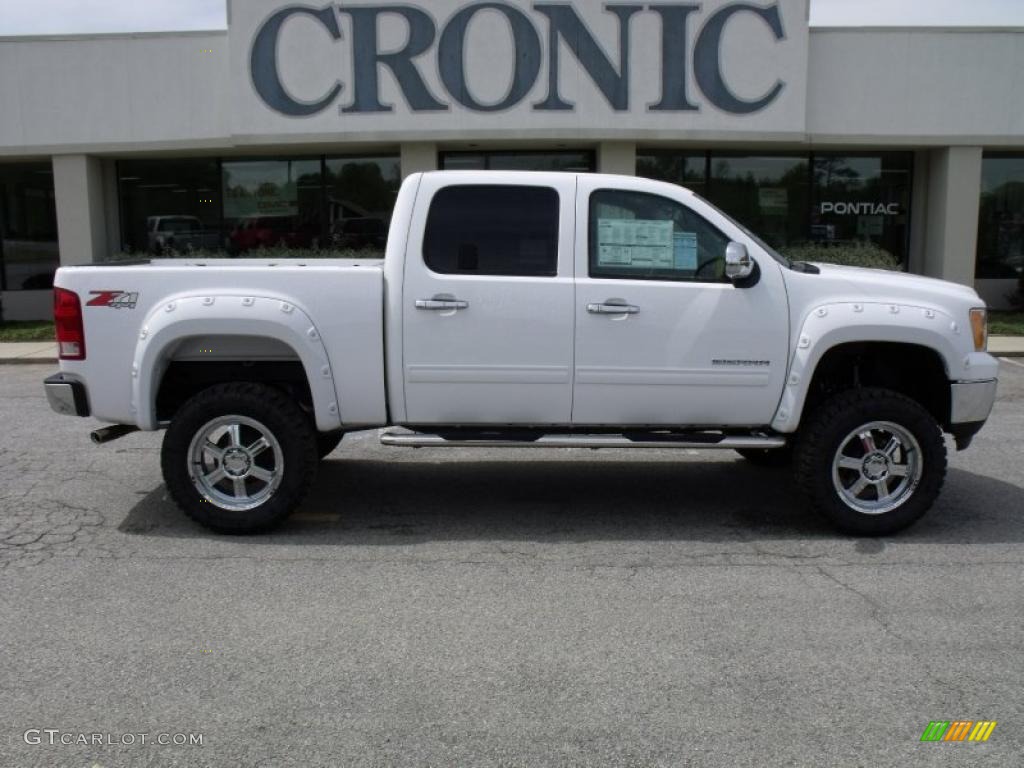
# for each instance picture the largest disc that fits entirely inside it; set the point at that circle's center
(916, 87)
(951, 234)
(81, 214)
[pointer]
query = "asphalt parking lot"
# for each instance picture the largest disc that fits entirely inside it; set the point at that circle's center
(502, 607)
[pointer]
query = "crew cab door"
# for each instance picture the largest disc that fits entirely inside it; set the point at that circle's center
(662, 336)
(488, 300)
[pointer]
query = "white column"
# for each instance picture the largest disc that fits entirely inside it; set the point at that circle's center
(418, 157)
(954, 196)
(81, 224)
(617, 157)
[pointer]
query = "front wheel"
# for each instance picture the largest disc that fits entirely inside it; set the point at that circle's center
(871, 460)
(239, 457)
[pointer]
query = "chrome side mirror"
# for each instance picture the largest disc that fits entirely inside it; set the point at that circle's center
(738, 264)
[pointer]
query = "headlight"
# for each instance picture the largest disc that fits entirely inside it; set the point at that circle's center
(979, 327)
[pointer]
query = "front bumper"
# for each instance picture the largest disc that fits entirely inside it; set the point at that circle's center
(971, 401)
(66, 396)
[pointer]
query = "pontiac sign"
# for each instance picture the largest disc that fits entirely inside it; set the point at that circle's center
(649, 64)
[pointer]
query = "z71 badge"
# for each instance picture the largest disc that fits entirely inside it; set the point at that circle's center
(113, 299)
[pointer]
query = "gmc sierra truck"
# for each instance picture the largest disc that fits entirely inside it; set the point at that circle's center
(531, 310)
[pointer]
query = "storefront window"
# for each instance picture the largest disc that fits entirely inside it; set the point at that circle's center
(822, 198)
(686, 170)
(769, 194)
(862, 198)
(1001, 218)
(570, 161)
(28, 226)
(361, 194)
(271, 203)
(169, 206)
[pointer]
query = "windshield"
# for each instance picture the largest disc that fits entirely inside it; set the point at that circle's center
(767, 248)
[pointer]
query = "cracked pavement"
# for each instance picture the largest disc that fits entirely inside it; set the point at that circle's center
(502, 607)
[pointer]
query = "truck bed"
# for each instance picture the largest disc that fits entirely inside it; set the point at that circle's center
(341, 298)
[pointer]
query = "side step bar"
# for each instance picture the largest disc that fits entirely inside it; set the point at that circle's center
(408, 439)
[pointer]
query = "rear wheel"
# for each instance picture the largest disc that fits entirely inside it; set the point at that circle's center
(871, 460)
(239, 457)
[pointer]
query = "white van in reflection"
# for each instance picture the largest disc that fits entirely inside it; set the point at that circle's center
(179, 233)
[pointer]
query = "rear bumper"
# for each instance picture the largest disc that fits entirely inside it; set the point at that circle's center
(66, 396)
(971, 401)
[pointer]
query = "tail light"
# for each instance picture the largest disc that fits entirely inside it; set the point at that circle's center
(67, 317)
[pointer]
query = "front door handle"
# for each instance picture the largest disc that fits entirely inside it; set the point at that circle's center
(612, 309)
(441, 305)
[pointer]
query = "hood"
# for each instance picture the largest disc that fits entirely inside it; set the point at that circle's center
(898, 287)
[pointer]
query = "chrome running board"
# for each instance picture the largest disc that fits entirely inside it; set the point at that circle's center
(526, 439)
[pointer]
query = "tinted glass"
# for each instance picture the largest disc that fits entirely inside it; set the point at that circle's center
(270, 203)
(686, 170)
(493, 230)
(361, 194)
(862, 198)
(169, 207)
(769, 194)
(1001, 220)
(28, 226)
(640, 236)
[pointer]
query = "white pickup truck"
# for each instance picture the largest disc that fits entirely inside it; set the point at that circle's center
(532, 310)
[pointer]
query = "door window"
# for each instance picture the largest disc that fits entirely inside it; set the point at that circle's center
(493, 230)
(640, 236)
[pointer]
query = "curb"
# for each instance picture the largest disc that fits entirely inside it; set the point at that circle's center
(28, 360)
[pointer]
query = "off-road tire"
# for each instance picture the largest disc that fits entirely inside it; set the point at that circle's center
(327, 442)
(827, 427)
(272, 408)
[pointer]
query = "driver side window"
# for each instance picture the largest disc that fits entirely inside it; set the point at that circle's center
(640, 236)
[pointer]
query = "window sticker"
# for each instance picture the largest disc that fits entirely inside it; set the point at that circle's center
(640, 243)
(684, 251)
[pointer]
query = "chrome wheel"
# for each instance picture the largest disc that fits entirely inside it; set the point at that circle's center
(877, 467)
(235, 462)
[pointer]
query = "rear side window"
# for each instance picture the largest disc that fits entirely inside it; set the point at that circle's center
(493, 230)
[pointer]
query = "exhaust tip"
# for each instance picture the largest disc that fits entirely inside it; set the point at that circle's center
(113, 432)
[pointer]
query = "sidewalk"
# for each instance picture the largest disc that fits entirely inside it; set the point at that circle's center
(46, 352)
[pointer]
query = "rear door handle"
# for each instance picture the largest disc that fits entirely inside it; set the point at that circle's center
(441, 305)
(612, 309)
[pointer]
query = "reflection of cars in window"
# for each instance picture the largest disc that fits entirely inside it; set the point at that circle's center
(178, 233)
(254, 232)
(359, 233)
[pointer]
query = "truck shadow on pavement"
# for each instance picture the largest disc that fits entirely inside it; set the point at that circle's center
(376, 502)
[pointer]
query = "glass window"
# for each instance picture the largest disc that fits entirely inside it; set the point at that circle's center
(493, 230)
(1001, 218)
(862, 198)
(581, 161)
(768, 193)
(361, 194)
(270, 203)
(169, 206)
(28, 226)
(640, 236)
(686, 170)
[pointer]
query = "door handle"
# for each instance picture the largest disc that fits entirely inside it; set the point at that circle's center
(441, 305)
(612, 309)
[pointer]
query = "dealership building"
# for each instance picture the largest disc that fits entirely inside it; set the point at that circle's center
(293, 128)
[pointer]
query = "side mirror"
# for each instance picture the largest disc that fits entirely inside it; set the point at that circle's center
(738, 264)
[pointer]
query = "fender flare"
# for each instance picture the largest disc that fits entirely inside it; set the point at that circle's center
(830, 325)
(230, 315)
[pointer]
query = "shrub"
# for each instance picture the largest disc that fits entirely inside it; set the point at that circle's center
(850, 255)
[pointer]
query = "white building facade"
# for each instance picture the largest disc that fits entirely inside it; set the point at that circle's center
(295, 126)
